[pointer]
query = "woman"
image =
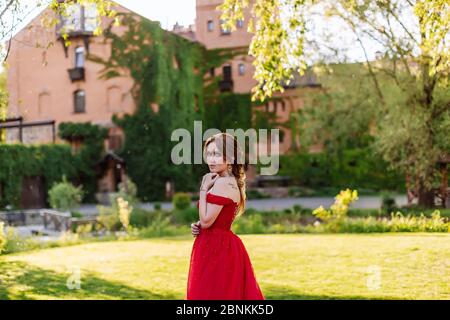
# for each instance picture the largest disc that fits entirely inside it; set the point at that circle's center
(220, 267)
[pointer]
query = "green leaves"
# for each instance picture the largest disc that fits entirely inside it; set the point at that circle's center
(276, 46)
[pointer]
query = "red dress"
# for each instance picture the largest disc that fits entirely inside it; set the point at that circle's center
(220, 267)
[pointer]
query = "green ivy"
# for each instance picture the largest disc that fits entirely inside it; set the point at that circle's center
(171, 72)
(92, 137)
(355, 168)
(20, 161)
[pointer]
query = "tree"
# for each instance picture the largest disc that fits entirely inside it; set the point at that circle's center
(413, 36)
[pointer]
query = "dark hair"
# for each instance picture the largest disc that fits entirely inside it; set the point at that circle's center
(232, 153)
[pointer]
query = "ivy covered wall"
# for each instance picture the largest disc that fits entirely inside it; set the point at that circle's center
(52, 162)
(92, 137)
(19, 161)
(170, 74)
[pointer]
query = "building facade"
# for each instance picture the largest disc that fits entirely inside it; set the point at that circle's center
(49, 83)
(239, 72)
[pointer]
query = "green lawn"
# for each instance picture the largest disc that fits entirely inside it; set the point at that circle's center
(301, 266)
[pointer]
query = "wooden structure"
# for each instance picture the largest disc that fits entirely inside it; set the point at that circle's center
(110, 171)
(17, 123)
(63, 221)
(56, 220)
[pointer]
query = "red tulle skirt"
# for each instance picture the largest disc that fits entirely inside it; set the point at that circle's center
(220, 268)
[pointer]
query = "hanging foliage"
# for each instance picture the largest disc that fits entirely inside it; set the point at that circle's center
(171, 90)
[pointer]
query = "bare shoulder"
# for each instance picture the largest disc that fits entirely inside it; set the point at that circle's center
(227, 187)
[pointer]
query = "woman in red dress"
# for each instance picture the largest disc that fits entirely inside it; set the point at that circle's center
(220, 267)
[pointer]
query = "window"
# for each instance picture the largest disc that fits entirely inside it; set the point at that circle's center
(241, 69)
(44, 102)
(80, 18)
(72, 22)
(212, 72)
(240, 23)
(210, 25)
(79, 100)
(114, 99)
(281, 136)
(223, 30)
(79, 57)
(283, 106)
(226, 71)
(90, 17)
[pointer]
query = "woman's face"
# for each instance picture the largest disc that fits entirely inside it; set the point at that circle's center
(214, 159)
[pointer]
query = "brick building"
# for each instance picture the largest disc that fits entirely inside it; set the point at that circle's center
(49, 83)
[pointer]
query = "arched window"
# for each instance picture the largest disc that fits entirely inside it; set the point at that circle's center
(79, 101)
(79, 57)
(210, 25)
(114, 99)
(241, 69)
(223, 29)
(44, 103)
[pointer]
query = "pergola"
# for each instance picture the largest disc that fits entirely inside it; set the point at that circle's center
(17, 123)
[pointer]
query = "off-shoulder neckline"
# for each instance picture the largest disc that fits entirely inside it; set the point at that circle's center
(216, 195)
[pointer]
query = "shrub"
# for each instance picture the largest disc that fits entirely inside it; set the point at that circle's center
(124, 212)
(140, 217)
(388, 204)
(162, 226)
(352, 167)
(435, 223)
(396, 223)
(65, 196)
(109, 217)
(249, 224)
(15, 243)
(284, 228)
(119, 214)
(187, 215)
(256, 194)
(76, 214)
(127, 191)
(340, 207)
(297, 208)
(181, 200)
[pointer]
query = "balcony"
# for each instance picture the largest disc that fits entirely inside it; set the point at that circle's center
(226, 85)
(76, 74)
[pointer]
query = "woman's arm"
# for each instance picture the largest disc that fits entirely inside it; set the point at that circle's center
(208, 212)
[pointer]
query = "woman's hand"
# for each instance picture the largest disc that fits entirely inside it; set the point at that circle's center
(208, 180)
(195, 227)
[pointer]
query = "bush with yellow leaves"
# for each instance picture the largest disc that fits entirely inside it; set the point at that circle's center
(340, 207)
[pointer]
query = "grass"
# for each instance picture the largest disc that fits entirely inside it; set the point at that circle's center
(300, 266)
